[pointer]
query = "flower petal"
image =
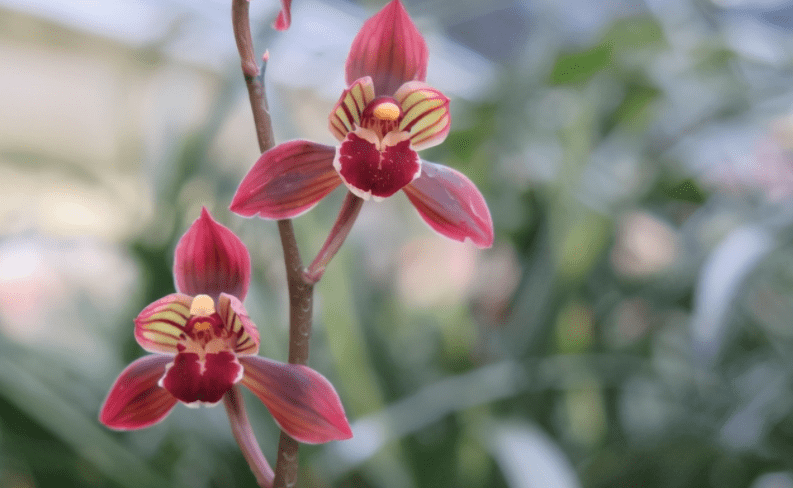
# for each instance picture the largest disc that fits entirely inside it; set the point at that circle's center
(284, 16)
(159, 326)
(135, 401)
(373, 168)
(303, 402)
(346, 115)
(451, 204)
(210, 260)
(425, 114)
(286, 181)
(235, 319)
(388, 48)
(191, 380)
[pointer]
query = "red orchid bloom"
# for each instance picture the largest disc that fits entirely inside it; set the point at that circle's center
(385, 116)
(204, 343)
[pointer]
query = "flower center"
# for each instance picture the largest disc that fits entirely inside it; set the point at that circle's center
(386, 111)
(204, 332)
(381, 116)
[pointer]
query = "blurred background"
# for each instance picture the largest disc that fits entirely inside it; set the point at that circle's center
(628, 328)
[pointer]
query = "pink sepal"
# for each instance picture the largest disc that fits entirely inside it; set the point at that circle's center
(235, 319)
(135, 401)
(287, 181)
(303, 402)
(390, 49)
(211, 260)
(284, 19)
(159, 326)
(451, 204)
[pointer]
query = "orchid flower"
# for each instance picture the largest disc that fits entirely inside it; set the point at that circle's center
(382, 119)
(203, 343)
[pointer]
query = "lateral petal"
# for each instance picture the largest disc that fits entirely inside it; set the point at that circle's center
(160, 326)
(135, 401)
(303, 402)
(287, 181)
(451, 204)
(346, 115)
(425, 114)
(210, 260)
(235, 319)
(390, 49)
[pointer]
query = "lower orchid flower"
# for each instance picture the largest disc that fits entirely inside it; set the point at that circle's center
(204, 343)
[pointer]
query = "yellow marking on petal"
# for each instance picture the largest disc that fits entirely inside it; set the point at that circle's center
(166, 315)
(386, 111)
(202, 306)
(159, 338)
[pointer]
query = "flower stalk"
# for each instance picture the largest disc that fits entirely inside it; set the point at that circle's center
(241, 427)
(301, 293)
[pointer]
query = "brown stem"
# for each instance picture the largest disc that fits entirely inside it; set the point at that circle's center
(301, 293)
(347, 215)
(241, 427)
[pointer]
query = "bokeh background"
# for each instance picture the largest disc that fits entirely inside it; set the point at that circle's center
(631, 326)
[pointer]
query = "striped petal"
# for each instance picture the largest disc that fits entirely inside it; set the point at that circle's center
(303, 402)
(135, 401)
(346, 115)
(287, 181)
(236, 320)
(159, 326)
(451, 204)
(388, 48)
(425, 114)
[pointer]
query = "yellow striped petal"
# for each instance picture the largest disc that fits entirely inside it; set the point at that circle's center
(346, 115)
(425, 114)
(160, 326)
(235, 320)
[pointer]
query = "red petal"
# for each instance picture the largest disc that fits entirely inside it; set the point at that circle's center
(346, 115)
(286, 181)
(368, 171)
(135, 401)
(390, 49)
(284, 16)
(451, 204)
(210, 260)
(303, 402)
(235, 319)
(186, 381)
(159, 326)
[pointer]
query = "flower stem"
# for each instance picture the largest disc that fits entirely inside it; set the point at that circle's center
(241, 427)
(347, 215)
(301, 292)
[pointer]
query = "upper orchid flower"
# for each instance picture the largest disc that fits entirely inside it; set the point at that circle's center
(382, 119)
(204, 343)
